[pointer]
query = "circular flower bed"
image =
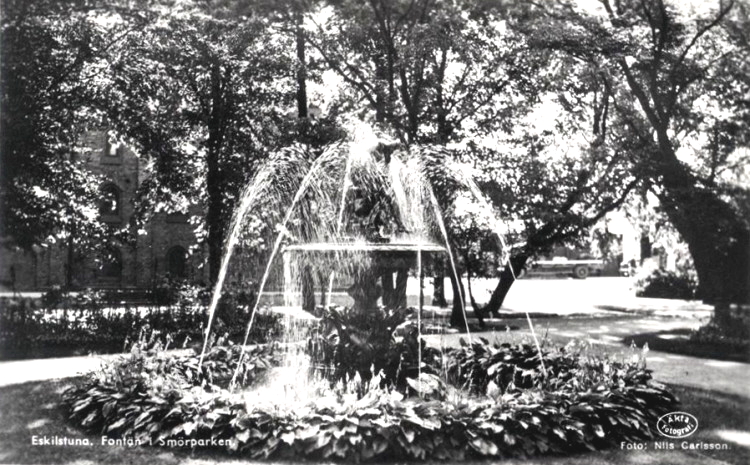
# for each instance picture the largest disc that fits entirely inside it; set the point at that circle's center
(488, 401)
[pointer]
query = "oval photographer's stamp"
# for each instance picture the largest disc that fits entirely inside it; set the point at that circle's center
(677, 425)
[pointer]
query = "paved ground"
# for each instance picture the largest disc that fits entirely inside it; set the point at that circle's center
(578, 296)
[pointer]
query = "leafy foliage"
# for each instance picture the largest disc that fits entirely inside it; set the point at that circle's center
(148, 362)
(204, 95)
(502, 368)
(52, 56)
(673, 79)
(351, 343)
(156, 404)
(89, 322)
(665, 284)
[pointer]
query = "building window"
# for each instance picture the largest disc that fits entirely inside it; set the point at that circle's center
(109, 201)
(112, 152)
(111, 265)
(177, 258)
(112, 149)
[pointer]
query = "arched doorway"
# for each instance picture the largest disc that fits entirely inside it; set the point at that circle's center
(177, 262)
(111, 265)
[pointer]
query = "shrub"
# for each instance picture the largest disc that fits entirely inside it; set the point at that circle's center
(28, 331)
(171, 291)
(53, 298)
(667, 285)
(147, 364)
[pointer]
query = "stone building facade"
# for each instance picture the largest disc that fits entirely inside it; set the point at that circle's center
(161, 248)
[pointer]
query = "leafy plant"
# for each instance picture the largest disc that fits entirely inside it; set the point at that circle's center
(173, 291)
(665, 284)
(164, 404)
(351, 342)
(147, 366)
(503, 368)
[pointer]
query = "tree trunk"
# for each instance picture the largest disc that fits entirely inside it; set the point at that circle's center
(388, 291)
(399, 293)
(438, 283)
(215, 218)
(308, 290)
(323, 280)
(438, 290)
(71, 258)
(71, 244)
(458, 320)
(645, 245)
(299, 35)
(507, 278)
(717, 236)
(718, 241)
(380, 94)
(477, 311)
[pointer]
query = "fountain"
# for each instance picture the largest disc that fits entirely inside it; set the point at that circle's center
(362, 215)
(361, 210)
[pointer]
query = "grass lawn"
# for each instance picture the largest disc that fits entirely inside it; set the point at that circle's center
(32, 409)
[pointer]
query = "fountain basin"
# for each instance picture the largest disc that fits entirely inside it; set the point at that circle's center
(371, 266)
(365, 247)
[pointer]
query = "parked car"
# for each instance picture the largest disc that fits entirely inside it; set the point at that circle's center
(579, 269)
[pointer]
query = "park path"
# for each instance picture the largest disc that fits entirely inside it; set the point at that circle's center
(42, 369)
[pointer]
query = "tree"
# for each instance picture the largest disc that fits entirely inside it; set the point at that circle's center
(52, 57)
(426, 69)
(454, 74)
(678, 77)
(549, 182)
(204, 97)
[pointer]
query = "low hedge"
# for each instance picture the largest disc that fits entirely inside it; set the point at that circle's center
(542, 415)
(29, 329)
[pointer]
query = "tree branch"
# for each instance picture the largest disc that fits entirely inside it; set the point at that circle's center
(722, 13)
(640, 94)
